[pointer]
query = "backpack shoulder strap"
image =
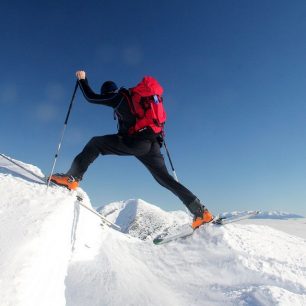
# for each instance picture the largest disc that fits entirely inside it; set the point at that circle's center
(127, 93)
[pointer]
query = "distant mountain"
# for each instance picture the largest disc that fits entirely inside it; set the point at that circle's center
(281, 215)
(141, 219)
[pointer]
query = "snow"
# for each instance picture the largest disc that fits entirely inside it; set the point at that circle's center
(55, 252)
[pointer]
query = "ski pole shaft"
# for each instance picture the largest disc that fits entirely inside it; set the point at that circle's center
(174, 173)
(42, 178)
(173, 170)
(63, 132)
(171, 164)
(102, 217)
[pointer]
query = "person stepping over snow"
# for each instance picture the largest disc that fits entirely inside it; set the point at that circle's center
(141, 116)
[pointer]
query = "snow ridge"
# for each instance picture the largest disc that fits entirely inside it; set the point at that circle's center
(34, 252)
(54, 252)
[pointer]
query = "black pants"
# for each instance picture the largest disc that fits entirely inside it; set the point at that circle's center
(147, 151)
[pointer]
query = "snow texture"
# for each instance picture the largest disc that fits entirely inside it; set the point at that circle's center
(55, 252)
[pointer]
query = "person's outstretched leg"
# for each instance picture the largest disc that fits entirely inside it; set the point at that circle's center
(105, 145)
(155, 163)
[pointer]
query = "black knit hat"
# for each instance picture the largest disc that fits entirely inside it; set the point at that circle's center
(108, 86)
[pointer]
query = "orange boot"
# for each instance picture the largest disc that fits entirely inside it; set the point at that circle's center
(199, 220)
(64, 180)
(201, 214)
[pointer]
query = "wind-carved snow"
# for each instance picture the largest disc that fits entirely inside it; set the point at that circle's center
(54, 252)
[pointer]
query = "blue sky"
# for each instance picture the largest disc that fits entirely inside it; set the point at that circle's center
(235, 93)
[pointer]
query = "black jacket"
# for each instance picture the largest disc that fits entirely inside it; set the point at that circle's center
(115, 100)
(118, 101)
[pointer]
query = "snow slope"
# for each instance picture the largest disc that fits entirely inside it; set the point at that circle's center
(54, 252)
(34, 253)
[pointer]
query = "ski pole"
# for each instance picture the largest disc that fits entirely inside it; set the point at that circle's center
(171, 164)
(63, 132)
(174, 173)
(102, 217)
(42, 178)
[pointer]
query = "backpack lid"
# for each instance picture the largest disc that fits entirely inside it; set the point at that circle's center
(148, 86)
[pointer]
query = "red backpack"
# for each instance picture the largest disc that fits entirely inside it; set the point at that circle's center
(146, 104)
